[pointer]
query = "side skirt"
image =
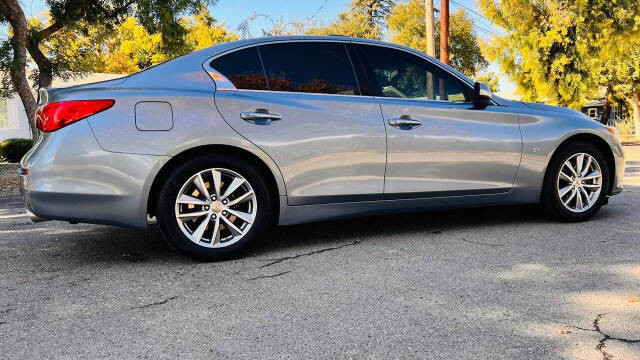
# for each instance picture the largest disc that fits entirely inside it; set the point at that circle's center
(297, 214)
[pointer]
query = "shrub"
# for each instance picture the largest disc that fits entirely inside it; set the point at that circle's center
(625, 126)
(12, 150)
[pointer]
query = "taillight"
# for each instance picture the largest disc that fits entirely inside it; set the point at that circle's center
(57, 115)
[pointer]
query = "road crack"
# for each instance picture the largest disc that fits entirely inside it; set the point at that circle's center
(268, 276)
(481, 243)
(154, 303)
(286, 258)
(602, 344)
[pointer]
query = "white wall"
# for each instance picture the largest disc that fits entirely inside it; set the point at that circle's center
(18, 122)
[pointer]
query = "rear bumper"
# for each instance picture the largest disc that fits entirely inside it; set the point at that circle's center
(71, 178)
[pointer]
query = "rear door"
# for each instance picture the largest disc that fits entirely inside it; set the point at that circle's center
(438, 144)
(300, 103)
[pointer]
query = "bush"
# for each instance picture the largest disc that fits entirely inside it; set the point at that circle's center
(625, 126)
(12, 150)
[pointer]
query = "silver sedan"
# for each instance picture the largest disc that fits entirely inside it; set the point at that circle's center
(221, 143)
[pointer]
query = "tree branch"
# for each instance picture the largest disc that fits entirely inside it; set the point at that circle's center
(48, 31)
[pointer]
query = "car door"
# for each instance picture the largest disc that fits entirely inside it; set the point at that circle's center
(300, 103)
(437, 143)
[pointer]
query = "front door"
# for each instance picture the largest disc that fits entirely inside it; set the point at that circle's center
(308, 116)
(438, 144)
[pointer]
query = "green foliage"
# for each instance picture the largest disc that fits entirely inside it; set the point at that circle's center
(625, 126)
(347, 24)
(125, 48)
(6, 62)
(407, 25)
(555, 50)
(364, 19)
(156, 16)
(490, 79)
(72, 38)
(12, 150)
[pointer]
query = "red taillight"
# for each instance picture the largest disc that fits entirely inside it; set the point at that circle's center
(57, 115)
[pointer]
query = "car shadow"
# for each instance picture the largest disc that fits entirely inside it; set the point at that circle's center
(97, 243)
(114, 244)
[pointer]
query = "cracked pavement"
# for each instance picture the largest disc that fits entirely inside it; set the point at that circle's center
(477, 284)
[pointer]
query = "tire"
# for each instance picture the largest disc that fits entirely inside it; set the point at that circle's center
(180, 222)
(555, 183)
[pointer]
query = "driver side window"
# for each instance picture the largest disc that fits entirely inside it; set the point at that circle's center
(396, 73)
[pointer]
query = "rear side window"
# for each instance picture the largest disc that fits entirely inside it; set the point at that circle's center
(396, 73)
(312, 67)
(242, 68)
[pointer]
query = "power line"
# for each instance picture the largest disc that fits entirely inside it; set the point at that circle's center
(244, 25)
(317, 11)
(485, 30)
(478, 14)
(470, 9)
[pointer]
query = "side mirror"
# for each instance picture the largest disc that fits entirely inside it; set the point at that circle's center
(481, 95)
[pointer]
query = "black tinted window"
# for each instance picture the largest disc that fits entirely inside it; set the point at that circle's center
(396, 73)
(243, 69)
(309, 67)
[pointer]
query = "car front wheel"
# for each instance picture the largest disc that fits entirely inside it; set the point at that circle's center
(576, 183)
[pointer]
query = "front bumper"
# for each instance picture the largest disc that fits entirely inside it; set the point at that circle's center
(620, 164)
(71, 178)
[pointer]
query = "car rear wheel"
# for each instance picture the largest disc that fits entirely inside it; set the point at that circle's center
(576, 183)
(212, 207)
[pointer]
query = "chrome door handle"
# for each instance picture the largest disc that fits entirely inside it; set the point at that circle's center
(259, 117)
(405, 122)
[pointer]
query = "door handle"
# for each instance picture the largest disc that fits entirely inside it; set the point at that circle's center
(404, 122)
(259, 117)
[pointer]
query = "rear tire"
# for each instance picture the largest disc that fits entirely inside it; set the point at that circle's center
(571, 194)
(212, 207)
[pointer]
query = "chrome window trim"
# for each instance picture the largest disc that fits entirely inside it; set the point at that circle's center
(206, 64)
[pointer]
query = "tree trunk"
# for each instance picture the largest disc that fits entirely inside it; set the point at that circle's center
(636, 114)
(606, 111)
(17, 71)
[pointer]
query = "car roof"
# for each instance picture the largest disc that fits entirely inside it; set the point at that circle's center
(199, 57)
(228, 46)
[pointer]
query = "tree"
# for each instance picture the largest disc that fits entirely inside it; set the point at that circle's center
(347, 24)
(155, 15)
(203, 31)
(375, 12)
(127, 47)
(406, 23)
(364, 19)
(620, 74)
(490, 79)
(554, 49)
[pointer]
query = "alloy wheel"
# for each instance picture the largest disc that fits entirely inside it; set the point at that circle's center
(579, 182)
(216, 208)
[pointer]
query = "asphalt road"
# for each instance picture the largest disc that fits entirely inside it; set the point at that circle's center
(500, 283)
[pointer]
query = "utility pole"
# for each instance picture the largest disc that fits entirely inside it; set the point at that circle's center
(444, 31)
(428, 8)
(431, 47)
